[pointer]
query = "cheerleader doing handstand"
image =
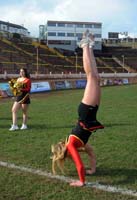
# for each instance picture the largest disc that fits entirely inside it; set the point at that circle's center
(87, 122)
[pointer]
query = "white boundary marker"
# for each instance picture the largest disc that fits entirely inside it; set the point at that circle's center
(67, 179)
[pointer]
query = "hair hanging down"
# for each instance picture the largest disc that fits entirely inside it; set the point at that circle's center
(27, 75)
(59, 154)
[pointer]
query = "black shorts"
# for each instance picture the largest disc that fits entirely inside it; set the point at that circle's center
(24, 98)
(87, 122)
(87, 117)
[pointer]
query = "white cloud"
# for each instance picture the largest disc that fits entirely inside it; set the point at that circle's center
(115, 15)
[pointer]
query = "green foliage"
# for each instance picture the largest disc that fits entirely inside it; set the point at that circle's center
(16, 36)
(51, 118)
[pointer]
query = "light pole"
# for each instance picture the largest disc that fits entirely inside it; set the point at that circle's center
(123, 62)
(37, 58)
(133, 42)
(76, 62)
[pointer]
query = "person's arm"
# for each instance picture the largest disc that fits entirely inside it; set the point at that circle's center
(92, 159)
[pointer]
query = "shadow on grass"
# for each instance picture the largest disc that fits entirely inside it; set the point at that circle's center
(126, 176)
(47, 126)
(118, 124)
(6, 118)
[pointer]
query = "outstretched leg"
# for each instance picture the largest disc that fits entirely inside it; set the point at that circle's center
(92, 90)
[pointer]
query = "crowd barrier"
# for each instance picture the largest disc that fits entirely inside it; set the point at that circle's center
(46, 86)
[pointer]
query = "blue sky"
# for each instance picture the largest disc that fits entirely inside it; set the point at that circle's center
(115, 15)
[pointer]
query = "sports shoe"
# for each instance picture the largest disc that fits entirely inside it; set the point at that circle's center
(87, 39)
(23, 127)
(91, 40)
(84, 42)
(14, 128)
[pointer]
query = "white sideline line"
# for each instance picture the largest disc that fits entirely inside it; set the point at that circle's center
(67, 179)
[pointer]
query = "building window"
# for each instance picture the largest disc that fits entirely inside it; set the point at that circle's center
(59, 42)
(97, 35)
(97, 25)
(97, 42)
(61, 34)
(4, 27)
(79, 35)
(70, 25)
(79, 25)
(88, 25)
(70, 34)
(61, 25)
(51, 24)
(51, 33)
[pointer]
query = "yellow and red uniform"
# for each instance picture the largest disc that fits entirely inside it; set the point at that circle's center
(24, 98)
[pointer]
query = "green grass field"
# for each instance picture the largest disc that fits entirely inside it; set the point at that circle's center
(51, 118)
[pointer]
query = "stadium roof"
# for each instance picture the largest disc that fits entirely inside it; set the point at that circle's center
(72, 22)
(12, 25)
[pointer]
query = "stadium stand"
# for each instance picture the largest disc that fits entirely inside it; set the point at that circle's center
(38, 58)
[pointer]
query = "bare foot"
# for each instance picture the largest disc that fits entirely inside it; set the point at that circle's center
(91, 39)
(77, 183)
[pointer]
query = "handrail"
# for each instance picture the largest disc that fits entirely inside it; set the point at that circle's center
(71, 76)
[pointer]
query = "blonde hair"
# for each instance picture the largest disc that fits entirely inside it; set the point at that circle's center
(59, 154)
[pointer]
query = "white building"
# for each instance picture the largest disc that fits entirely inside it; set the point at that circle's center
(7, 27)
(66, 34)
